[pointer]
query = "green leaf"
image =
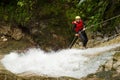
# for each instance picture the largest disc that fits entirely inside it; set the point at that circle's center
(20, 3)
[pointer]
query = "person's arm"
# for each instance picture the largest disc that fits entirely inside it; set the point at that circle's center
(74, 26)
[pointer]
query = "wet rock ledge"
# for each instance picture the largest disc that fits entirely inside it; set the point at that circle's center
(6, 75)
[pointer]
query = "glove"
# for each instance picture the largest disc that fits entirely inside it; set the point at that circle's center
(84, 29)
(76, 34)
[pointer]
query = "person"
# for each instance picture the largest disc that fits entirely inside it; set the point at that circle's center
(78, 27)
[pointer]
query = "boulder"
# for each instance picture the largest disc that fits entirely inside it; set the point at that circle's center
(118, 69)
(4, 39)
(105, 39)
(17, 34)
(99, 34)
(116, 65)
(4, 30)
(109, 65)
(117, 56)
(98, 38)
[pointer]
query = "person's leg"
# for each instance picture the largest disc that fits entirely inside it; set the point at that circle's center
(84, 38)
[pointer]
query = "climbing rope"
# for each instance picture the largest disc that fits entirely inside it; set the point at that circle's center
(104, 21)
(109, 19)
(73, 41)
(75, 38)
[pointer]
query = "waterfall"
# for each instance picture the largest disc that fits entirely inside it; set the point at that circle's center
(75, 63)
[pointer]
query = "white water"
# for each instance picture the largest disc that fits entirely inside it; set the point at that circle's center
(70, 62)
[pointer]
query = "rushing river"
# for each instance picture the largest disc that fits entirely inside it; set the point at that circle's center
(69, 62)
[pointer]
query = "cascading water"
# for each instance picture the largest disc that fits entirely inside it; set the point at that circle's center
(70, 62)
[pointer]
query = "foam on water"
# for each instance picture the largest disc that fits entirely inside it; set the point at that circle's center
(69, 62)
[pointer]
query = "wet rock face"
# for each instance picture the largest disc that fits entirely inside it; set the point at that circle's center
(112, 64)
(17, 34)
(111, 69)
(116, 64)
(5, 30)
(109, 65)
(14, 33)
(117, 56)
(6, 75)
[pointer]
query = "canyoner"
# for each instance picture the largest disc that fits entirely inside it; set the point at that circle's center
(79, 29)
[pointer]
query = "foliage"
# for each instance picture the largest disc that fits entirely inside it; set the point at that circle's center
(19, 13)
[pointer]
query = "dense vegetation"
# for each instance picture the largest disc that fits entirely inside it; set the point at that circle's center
(49, 21)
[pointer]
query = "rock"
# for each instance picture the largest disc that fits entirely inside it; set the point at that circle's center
(92, 79)
(99, 34)
(34, 30)
(99, 38)
(117, 56)
(111, 64)
(17, 34)
(101, 68)
(108, 65)
(4, 30)
(105, 39)
(43, 25)
(117, 29)
(55, 36)
(6, 75)
(116, 65)
(4, 39)
(118, 69)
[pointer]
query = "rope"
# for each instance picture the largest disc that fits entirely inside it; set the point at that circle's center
(104, 21)
(73, 41)
(75, 38)
(109, 19)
